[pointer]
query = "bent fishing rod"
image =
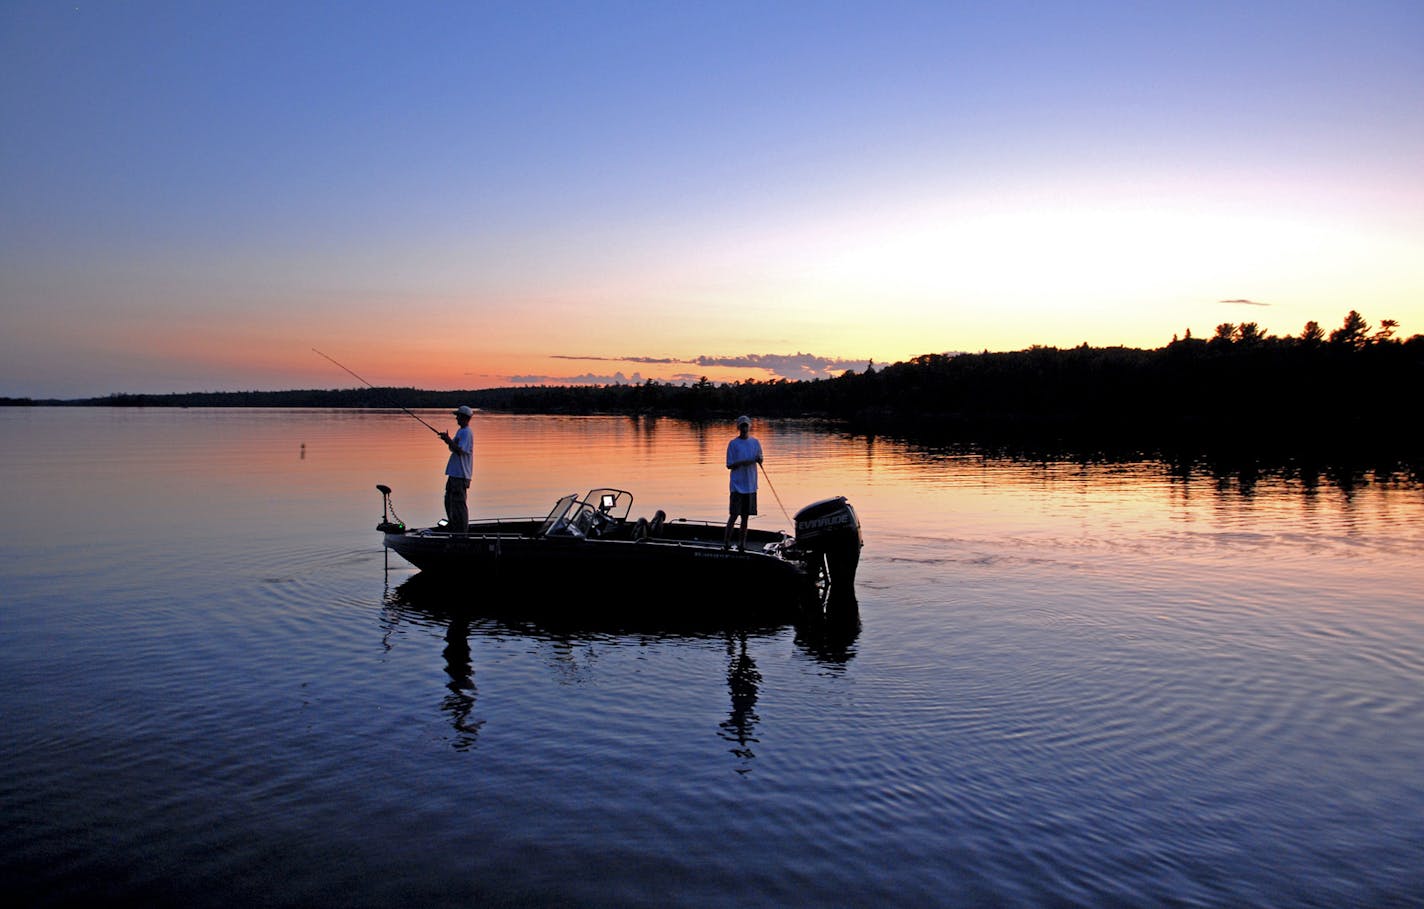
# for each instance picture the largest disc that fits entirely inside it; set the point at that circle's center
(374, 388)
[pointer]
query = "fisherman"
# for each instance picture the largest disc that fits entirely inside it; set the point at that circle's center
(743, 458)
(459, 471)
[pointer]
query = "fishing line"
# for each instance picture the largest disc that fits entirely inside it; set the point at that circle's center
(773, 493)
(374, 388)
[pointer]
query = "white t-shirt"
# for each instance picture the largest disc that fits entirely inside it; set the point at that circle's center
(744, 478)
(462, 462)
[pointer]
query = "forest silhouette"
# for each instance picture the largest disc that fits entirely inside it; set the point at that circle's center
(1356, 387)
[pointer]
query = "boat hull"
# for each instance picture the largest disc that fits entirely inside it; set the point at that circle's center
(588, 550)
(505, 554)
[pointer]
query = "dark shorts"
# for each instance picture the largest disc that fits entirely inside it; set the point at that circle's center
(743, 503)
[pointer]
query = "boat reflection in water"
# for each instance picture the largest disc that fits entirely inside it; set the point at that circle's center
(540, 615)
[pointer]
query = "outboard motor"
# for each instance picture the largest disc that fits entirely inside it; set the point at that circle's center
(831, 528)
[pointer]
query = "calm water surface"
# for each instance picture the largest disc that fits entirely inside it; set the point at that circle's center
(1067, 683)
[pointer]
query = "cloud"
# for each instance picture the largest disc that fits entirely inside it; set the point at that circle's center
(587, 378)
(663, 360)
(786, 366)
(1245, 303)
(789, 366)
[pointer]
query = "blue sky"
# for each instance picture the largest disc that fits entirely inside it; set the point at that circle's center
(192, 196)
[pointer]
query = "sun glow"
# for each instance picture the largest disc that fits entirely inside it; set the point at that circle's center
(1130, 275)
(852, 185)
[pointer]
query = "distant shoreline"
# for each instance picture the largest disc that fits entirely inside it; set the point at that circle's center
(1348, 392)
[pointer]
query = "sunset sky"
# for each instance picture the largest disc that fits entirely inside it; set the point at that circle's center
(466, 194)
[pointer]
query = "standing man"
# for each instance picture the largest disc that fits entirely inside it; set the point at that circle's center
(743, 457)
(459, 470)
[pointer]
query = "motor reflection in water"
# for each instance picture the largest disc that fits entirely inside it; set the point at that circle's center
(828, 638)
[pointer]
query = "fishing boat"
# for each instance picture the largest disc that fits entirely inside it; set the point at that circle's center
(593, 536)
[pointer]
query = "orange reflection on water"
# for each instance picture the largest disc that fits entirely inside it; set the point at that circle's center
(231, 472)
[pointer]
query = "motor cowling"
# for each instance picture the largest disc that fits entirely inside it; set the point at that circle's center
(831, 528)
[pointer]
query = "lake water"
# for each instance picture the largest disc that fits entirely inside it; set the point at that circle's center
(1068, 683)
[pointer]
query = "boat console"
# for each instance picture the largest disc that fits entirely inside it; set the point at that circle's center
(597, 514)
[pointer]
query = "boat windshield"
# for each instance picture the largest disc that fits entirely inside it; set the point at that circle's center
(556, 515)
(614, 503)
(572, 516)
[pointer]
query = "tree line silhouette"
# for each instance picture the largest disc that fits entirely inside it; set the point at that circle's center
(1240, 385)
(1356, 385)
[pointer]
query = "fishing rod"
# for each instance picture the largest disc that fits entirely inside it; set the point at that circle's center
(374, 388)
(773, 492)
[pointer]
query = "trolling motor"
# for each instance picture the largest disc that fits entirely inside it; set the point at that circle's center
(388, 511)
